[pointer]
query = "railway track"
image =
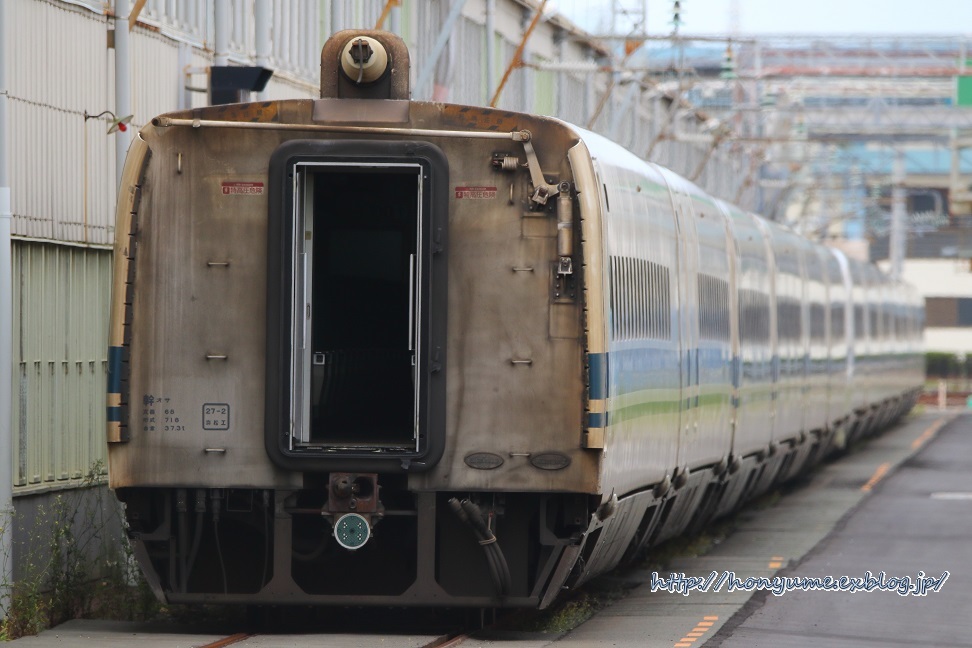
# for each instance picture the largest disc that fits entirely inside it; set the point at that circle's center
(446, 640)
(439, 639)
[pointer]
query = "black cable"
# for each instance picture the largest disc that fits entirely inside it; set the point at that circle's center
(191, 561)
(266, 537)
(462, 512)
(219, 553)
(217, 496)
(315, 554)
(504, 568)
(361, 43)
(183, 548)
(488, 541)
(173, 559)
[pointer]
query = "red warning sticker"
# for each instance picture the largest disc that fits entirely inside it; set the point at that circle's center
(476, 193)
(242, 188)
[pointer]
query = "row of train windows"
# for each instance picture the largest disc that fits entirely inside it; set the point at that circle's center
(790, 326)
(885, 324)
(753, 316)
(641, 307)
(754, 319)
(882, 324)
(640, 300)
(714, 308)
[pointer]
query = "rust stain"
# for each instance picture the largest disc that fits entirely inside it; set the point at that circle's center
(465, 117)
(249, 112)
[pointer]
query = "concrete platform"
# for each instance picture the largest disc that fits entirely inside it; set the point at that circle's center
(901, 504)
(917, 519)
(82, 633)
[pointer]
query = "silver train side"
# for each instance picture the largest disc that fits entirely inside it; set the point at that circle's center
(369, 351)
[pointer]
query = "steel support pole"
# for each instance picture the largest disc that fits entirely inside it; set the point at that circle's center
(123, 84)
(222, 29)
(395, 20)
(261, 25)
(490, 48)
(526, 79)
(620, 112)
(562, 76)
(337, 16)
(898, 215)
(428, 69)
(517, 59)
(6, 334)
(183, 94)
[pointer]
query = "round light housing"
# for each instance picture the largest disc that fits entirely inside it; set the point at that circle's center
(352, 531)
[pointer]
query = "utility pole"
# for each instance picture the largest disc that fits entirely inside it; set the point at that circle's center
(123, 84)
(898, 215)
(6, 334)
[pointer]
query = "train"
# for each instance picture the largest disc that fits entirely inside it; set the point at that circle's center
(368, 351)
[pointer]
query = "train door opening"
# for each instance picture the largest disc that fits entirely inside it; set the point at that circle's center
(360, 251)
(357, 292)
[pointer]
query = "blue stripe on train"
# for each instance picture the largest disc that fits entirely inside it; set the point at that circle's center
(597, 368)
(114, 369)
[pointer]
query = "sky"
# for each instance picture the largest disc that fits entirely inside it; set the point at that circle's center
(787, 16)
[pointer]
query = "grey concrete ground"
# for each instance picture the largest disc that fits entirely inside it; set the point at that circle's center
(862, 512)
(918, 519)
(123, 634)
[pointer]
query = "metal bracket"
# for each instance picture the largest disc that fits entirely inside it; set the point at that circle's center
(541, 190)
(564, 288)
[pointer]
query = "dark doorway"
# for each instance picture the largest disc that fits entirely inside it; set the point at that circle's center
(363, 306)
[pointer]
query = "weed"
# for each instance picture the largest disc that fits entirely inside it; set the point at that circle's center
(75, 563)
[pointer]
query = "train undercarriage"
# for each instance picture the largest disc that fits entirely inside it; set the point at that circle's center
(207, 545)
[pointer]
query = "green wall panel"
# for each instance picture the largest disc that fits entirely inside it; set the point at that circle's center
(61, 299)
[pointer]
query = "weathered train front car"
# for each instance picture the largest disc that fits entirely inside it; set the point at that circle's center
(348, 347)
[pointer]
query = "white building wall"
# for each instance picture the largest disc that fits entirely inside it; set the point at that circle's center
(937, 277)
(63, 171)
(949, 340)
(941, 278)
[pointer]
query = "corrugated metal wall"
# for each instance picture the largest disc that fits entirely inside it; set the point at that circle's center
(63, 176)
(49, 94)
(295, 30)
(60, 338)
